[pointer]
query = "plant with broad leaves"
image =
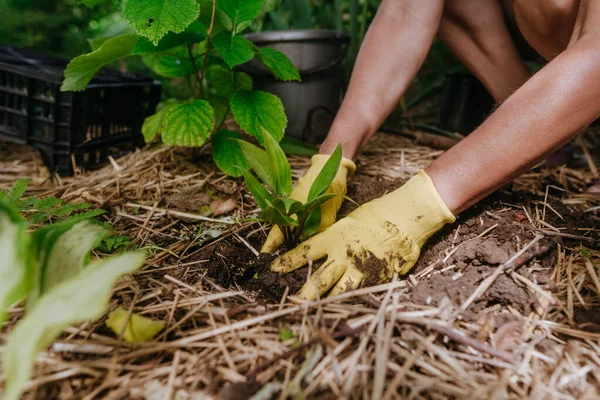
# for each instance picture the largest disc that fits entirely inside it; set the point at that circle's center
(174, 42)
(296, 220)
(51, 269)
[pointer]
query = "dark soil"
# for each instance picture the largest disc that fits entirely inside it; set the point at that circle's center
(231, 262)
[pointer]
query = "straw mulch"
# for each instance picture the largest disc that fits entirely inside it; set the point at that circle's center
(376, 342)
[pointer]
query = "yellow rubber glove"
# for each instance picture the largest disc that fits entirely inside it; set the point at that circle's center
(300, 193)
(377, 239)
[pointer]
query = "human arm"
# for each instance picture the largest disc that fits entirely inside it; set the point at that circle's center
(391, 54)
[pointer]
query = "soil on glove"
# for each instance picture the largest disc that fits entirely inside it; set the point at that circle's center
(458, 257)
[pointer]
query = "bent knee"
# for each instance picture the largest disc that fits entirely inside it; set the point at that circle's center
(547, 16)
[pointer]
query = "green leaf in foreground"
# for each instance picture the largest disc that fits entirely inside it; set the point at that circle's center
(280, 164)
(295, 147)
(235, 50)
(225, 83)
(154, 18)
(255, 110)
(260, 162)
(260, 194)
(175, 64)
(327, 174)
(235, 12)
(82, 69)
(13, 263)
(227, 153)
(82, 298)
(153, 124)
(281, 66)
(15, 192)
(195, 33)
(188, 124)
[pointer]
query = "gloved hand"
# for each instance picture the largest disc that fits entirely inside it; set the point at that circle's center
(300, 193)
(377, 239)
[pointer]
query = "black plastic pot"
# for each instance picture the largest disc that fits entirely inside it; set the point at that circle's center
(464, 104)
(310, 105)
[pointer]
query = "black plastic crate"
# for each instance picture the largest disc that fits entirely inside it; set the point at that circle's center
(71, 128)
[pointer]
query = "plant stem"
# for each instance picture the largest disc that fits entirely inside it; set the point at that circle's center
(210, 29)
(196, 72)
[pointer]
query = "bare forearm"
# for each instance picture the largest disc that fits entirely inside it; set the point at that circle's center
(538, 118)
(391, 54)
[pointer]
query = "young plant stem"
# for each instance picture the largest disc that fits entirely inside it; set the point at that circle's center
(298, 230)
(196, 72)
(209, 35)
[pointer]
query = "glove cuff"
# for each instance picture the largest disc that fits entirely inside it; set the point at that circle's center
(420, 196)
(346, 163)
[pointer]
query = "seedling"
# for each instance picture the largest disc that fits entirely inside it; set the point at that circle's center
(296, 220)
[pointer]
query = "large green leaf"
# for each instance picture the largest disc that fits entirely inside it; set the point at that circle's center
(227, 153)
(153, 124)
(188, 124)
(256, 110)
(280, 164)
(276, 217)
(234, 50)
(154, 18)
(261, 163)
(327, 174)
(173, 64)
(14, 265)
(295, 147)
(235, 14)
(225, 82)
(195, 33)
(82, 69)
(280, 66)
(261, 195)
(81, 298)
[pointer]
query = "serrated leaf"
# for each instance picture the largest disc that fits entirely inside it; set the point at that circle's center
(17, 191)
(280, 66)
(188, 124)
(256, 110)
(234, 50)
(280, 165)
(153, 124)
(82, 298)
(154, 18)
(14, 268)
(174, 64)
(227, 153)
(139, 329)
(327, 174)
(225, 82)
(262, 197)
(260, 162)
(195, 33)
(82, 69)
(235, 12)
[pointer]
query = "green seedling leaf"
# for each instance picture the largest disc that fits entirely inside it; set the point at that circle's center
(288, 206)
(15, 192)
(320, 200)
(280, 164)
(280, 66)
(62, 251)
(261, 163)
(153, 124)
(188, 124)
(255, 110)
(227, 153)
(225, 83)
(154, 18)
(82, 69)
(295, 147)
(195, 33)
(262, 197)
(14, 267)
(285, 334)
(139, 329)
(234, 50)
(327, 174)
(175, 64)
(276, 217)
(312, 223)
(234, 13)
(81, 298)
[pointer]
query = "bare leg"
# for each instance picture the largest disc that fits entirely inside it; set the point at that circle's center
(475, 31)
